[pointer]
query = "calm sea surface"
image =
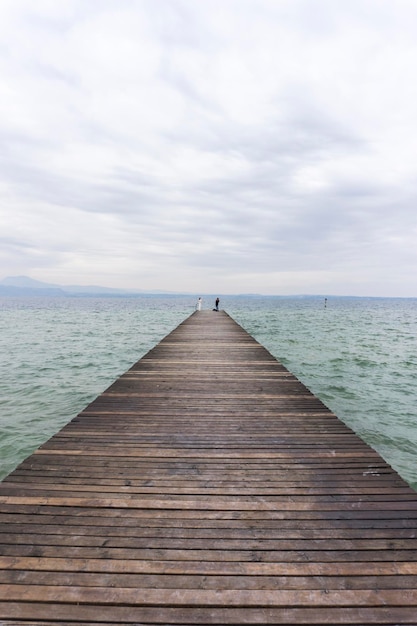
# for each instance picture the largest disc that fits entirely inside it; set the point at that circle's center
(358, 355)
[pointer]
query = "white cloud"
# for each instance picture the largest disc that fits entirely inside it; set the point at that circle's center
(241, 145)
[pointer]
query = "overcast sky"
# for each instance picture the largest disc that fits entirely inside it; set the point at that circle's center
(212, 146)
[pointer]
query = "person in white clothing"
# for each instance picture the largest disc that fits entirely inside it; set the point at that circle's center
(198, 305)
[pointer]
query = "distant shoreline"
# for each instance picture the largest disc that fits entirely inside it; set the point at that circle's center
(8, 291)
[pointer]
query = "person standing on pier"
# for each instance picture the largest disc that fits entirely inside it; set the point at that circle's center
(198, 305)
(217, 303)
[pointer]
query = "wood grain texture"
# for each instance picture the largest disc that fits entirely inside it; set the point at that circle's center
(207, 485)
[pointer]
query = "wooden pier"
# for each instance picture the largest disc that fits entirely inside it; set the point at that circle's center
(207, 485)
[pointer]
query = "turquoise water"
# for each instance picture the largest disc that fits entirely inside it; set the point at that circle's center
(358, 355)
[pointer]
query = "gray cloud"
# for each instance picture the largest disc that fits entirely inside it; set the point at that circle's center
(246, 145)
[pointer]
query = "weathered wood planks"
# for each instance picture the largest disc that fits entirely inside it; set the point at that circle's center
(207, 485)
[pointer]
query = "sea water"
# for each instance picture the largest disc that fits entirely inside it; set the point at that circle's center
(358, 355)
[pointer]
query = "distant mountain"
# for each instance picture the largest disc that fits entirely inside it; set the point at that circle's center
(10, 290)
(24, 285)
(26, 282)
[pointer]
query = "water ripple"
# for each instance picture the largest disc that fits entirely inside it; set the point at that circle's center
(358, 355)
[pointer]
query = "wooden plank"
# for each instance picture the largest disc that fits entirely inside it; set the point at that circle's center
(201, 546)
(219, 556)
(346, 569)
(198, 581)
(209, 598)
(68, 614)
(207, 485)
(177, 530)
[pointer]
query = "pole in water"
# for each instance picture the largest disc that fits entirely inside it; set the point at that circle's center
(325, 303)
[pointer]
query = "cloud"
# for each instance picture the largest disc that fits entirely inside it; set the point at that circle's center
(234, 146)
